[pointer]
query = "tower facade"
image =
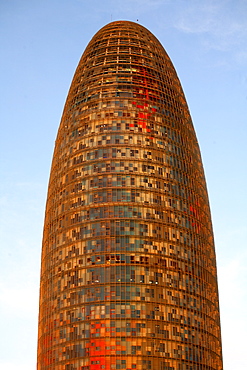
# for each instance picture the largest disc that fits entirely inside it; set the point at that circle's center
(128, 273)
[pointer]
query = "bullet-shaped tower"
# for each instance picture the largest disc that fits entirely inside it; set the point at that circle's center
(128, 273)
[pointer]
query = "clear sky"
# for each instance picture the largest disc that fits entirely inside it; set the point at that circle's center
(41, 44)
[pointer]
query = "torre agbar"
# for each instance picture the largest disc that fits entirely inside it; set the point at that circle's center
(128, 273)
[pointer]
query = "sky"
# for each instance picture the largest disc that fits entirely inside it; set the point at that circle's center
(41, 43)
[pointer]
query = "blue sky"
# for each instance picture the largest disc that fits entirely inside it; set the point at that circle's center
(41, 44)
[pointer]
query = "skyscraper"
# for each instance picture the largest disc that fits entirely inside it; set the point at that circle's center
(128, 274)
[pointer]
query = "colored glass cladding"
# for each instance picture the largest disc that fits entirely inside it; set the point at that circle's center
(128, 274)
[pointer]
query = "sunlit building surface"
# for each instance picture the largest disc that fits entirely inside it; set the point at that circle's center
(128, 275)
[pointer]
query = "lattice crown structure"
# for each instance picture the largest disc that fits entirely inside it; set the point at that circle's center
(128, 274)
